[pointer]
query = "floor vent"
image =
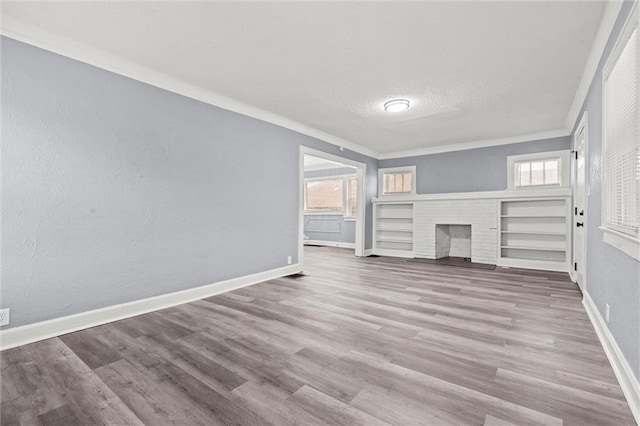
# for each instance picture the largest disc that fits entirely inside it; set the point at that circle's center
(296, 276)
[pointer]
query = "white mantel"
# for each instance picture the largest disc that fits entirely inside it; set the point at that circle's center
(506, 194)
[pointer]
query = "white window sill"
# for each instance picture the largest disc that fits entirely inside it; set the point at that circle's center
(625, 243)
(396, 194)
(349, 219)
(323, 214)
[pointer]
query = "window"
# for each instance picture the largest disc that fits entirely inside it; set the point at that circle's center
(323, 195)
(333, 195)
(352, 197)
(397, 180)
(621, 142)
(539, 170)
(538, 173)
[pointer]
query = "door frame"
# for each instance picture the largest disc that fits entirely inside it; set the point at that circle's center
(583, 126)
(361, 173)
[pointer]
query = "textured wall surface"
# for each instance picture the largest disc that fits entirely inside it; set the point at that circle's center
(612, 276)
(114, 190)
(481, 169)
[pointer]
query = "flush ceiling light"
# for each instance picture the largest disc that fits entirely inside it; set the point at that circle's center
(396, 105)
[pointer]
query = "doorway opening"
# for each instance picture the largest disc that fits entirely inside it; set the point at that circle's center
(331, 201)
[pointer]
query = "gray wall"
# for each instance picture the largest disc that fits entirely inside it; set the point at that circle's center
(612, 277)
(481, 169)
(114, 190)
(329, 227)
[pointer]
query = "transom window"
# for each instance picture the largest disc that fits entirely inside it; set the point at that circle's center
(397, 180)
(538, 173)
(539, 170)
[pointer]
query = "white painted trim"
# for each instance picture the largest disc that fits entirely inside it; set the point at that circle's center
(30, 34)
(26, 33)
(330, 244)
(583, 126)
(329, 177)
(345, 195)
(621, 368)
(630, 245)
(361, 173)
(56, 327)
(393, 253)
(323, 213)
(625, 243)
(463, 146)
(384, 170)
(565, 176)
(542, 265)
(368, 252)
(611, 12)
(507, 194)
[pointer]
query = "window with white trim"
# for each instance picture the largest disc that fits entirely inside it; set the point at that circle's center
(397, 180)
(352, 197)
(621, 141)
(331, 195)
(540, 170)
(323, 195)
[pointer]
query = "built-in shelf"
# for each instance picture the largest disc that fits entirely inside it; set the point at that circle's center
(533, 248)
(394, 229)
(546, 216)
(533, 233)
(396, 240)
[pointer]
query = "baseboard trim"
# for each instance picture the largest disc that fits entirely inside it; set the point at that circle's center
(25, 334)
(367, 253)
(330, 244)
(624, 374)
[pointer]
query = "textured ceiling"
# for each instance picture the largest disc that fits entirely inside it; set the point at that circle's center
(472, 70)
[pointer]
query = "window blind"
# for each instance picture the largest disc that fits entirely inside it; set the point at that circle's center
(621, 191)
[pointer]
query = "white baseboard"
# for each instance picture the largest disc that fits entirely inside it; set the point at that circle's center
(393, 253)
(56, 327)
(368, 252)
(330, 244)
(624, 374)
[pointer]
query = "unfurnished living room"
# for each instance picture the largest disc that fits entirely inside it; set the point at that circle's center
(320, 213)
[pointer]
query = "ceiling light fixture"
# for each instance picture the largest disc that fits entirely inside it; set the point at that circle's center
(396, 105)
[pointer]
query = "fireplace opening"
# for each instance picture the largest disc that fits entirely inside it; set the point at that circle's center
(453, 241)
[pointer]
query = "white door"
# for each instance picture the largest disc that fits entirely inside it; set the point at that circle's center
(579, 206)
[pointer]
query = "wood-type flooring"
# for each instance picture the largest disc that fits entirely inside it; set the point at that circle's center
(356, 341)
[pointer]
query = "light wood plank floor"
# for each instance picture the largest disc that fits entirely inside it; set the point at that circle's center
(356, 341)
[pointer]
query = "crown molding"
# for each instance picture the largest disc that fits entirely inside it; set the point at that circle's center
(35, 36)
(476, 144)
(611, 12)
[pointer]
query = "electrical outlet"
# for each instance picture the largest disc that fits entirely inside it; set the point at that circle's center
(289, 260)
(607, 312)
(4, 317)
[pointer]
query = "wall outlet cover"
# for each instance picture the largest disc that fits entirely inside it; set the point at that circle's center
(4, 317)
